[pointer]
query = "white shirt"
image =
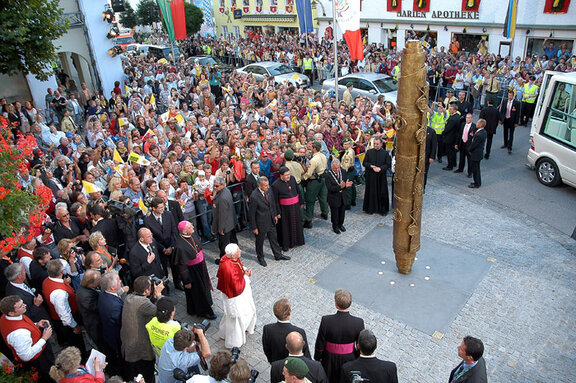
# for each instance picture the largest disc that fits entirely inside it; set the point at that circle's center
(23, 286)
(26, 262)
(21, 342)
(59, 298)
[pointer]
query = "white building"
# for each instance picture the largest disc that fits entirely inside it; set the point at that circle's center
(83, 54)
(445, 20)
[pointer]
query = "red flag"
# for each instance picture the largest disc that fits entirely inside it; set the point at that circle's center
(178, 19)
(394, 5)
(470, 5)
(556, 6)
(422, 5)
(348, 18)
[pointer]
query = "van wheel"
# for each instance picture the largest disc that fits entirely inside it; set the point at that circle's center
(547, 172)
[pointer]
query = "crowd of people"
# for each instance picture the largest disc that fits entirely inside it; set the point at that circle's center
(180, 155)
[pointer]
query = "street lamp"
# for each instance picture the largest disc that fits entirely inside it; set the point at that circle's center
(107, 14)
(113, 33)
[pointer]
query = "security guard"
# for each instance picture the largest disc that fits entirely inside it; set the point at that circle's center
(437, 121)
(308, 67)
(528, 101)
(316, 186)
(396, 72)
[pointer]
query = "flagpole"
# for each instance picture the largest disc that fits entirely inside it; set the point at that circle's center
(335, 50)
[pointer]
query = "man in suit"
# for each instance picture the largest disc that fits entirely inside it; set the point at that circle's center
(509, 118)
(16, 276)
(476, 149)
(274, 334)
(110, 307)
(294, 344)
(263, 215)
(87, 300)
(251, 182)
(171, 206)
(337, 182)
(367, 365)
(472, 369)
(164, 229)
(464, 106)
(492, 115)
(430, 153)
(144, 258)
(107, 226)
(38, 271)
(467, 129)
(223, 215)
(450, 135)
(337, 337)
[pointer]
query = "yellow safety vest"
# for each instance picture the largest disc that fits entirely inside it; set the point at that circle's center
(159, 333)
(307, 64)
(529, 95)
(438, 121)
(207, 49)
(395, 72)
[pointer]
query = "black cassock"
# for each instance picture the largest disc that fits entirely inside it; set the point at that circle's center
(289, 227)
(188, 260)
(376, 190)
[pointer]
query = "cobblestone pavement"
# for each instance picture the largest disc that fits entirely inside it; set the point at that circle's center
(524, 309)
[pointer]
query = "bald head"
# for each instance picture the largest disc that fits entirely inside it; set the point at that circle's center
(295, 343)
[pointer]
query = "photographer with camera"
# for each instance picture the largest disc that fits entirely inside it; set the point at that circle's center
(220, 365)
(138, 310)
(181, 352)
(368, 368)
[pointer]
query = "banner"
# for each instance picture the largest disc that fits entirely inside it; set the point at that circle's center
(348, 18)
(556, 6)
(304, 10)
(273, 6)
(470, 5)
(422, 5)
(178, 19)
(394, 5)
(166, 13)
(510, 22)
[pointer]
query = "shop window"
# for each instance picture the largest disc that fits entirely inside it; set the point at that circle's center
(535, 45)
(470, 43)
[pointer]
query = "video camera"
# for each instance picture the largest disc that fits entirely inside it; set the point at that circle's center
(125, 210)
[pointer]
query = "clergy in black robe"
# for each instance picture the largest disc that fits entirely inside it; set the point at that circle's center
(289, 199)
(376, 162)
(337, 337)
(188, 261)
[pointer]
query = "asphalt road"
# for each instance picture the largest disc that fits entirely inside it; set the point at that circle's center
(508, 181)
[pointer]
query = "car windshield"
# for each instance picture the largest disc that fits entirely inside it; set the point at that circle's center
(208, 61)
(125, 40)
(385, 85)
(280, 69)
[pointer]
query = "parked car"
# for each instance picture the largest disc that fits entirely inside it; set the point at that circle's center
(369, 85)
(281, 72)
(125, 40)
(207, 60)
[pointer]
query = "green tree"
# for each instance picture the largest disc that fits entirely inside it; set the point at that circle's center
(128, 18)
(194, 18)
(148, 12)
(29, 28)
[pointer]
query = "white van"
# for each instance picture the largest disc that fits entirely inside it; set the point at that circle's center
(553, 133)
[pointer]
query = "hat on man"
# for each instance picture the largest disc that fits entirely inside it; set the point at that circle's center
(347, 140)
(349, 84)
(289, 154)
(296, 366)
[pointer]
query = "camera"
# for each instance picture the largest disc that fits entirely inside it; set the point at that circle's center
(182, 376)
(357, 378)
(49, 225)
(78, 250)
(235, 354)
(119, 208)
(156, 281)
(228, 171)
(253, 376)
(204, 325)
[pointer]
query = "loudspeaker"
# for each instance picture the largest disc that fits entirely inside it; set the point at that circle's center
(118, 5)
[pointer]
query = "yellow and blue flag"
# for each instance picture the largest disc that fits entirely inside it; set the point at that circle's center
(510, 22)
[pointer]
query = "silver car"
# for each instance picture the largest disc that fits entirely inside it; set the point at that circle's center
(369, 85)
(282, 73)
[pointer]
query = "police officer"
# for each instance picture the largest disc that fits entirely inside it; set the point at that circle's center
(316, 186)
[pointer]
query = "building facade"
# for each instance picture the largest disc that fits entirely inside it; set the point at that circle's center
(446, 19)
(238, 17)
(82, 52)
